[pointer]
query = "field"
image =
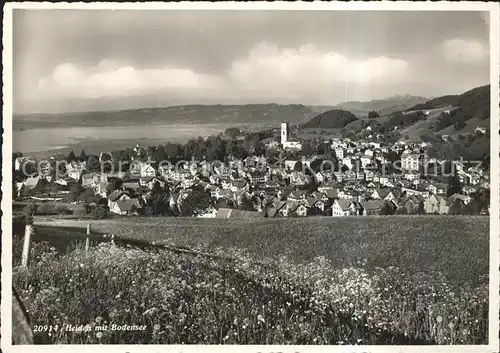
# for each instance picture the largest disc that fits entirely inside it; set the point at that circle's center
(374, 280)
(457, 246)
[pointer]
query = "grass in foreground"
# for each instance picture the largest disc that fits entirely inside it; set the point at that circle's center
(192, 299)
(457, 246)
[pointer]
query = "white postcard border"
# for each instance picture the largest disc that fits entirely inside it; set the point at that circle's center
(6, 309)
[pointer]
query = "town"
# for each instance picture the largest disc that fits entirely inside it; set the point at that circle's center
(275, 176)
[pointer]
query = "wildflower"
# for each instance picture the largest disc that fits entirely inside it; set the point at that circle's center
(260, 318)
(81, 265)
(98, 335)
(439, 319)
(98, 319)
(451, 325)
(156, 327)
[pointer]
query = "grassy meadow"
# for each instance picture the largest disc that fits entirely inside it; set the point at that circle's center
(369, 280)
(457, 246)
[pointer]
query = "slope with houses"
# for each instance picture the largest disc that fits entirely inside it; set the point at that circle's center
(362, 184)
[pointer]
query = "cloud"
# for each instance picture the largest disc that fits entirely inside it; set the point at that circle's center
(270, 66)
(465, 51)
(267, 72)
(113, 79)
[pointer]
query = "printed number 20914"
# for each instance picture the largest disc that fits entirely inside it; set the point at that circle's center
(45, 328)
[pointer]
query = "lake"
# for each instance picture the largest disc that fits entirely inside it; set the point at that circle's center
(40, 141)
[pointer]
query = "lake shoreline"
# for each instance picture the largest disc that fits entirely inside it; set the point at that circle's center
(44, 142)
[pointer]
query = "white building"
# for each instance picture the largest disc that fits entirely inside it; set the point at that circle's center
(409, 161)
(284, 132)
(147, 171)
(339, 153)
(412, 176)
(365, 161)
(347, 162)
(292, 145)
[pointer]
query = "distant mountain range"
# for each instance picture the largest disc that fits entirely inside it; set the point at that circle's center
(471, 109)
(472, 104)
(252, 114)
(382, 106)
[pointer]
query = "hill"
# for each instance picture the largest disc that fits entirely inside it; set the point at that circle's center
(384, 106)
(185, 114)
(331, 119)
(470, 109)
(476, 97)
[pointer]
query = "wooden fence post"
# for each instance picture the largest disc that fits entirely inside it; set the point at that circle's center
(26, 245)
(87, 239)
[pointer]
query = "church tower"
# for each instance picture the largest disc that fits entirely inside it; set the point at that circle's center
(284, 132)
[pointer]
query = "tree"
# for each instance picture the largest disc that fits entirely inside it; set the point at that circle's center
(454, 185)
(308, 149)
(29, 210)
(86, 195)
(456, 207)
(61, 209)
(99, 212)
(197, 202)
(232, 132)
(44, 209)
(114, 184)
(15, 189)
(158, 200)
(373, 115)
(80, 211)
(74, 191)
(247, 204)
(387, 209)
(298, 166)
(459, 125)
(393, 156)
(71, 157)
(83, 156)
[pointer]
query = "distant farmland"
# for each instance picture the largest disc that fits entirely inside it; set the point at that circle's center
(456, 246)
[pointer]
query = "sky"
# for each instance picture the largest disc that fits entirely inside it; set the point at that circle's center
(83, 60)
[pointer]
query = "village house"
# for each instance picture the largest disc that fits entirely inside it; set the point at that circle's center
(297, 195)
(372, 207)
(436, 188)
(149, 182)
(409, 204)
(128, 207)
(117, 195)
(131, 184)
(463, 198)
(410, 161)
(339, 153)
(34, 183)
(343, 208)
(382, 194)
(412, 176)
(239, 185)
(75, 170)
(299, 179)
(436, 204)
(188, 182)
(147, 170)
(65, 181)
(347, 161)
(299, 209)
